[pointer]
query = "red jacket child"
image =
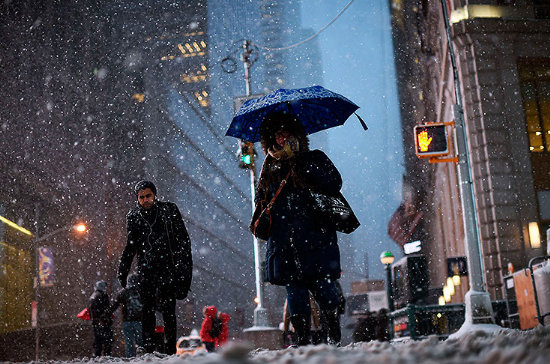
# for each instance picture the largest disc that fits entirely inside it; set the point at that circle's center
(222, 339)
(210, 312)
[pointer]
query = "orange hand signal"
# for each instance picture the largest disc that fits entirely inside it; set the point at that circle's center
(424, 141)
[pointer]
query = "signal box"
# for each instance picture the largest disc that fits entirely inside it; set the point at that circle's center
(431, 140)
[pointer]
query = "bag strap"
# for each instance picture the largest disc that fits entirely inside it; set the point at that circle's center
(283, 183)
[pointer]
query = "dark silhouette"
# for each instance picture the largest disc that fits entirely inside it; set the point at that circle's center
(101, 320)
(157, 235)
(302, 253)
(129, 300)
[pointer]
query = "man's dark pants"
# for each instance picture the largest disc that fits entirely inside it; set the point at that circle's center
(103, 340)
(158, 293)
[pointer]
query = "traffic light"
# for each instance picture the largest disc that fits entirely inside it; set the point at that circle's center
(246, 154)
(431, 140)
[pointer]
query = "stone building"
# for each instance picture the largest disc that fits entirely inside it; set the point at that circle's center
(504, 72)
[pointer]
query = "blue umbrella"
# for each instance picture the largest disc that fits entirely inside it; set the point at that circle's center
(316, 107)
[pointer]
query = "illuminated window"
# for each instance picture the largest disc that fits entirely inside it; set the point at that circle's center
(535, 91)
(202, 98)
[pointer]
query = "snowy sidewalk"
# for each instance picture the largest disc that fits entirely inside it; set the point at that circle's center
(504, 347)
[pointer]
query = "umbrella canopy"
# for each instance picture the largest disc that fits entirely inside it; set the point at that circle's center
(316, 107)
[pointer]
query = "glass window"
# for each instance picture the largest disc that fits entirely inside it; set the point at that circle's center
(535, 92)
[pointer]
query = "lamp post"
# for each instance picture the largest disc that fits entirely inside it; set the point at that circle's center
(479, 311)
(261, 313)
(79, 228)
(387, 259)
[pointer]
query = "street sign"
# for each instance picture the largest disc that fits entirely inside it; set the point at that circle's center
(431, 140)
(412, 247)
(45, 267)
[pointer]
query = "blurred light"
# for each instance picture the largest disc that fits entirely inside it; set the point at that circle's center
(256, 300)
(138, 97)
(450, 286)
(441, 301)
(15, 226)
(456, 280)
(534, 235)
(439, 314)
(387, 257)
(81, 228)
(182, 50)
(446, 294)
(477, 11)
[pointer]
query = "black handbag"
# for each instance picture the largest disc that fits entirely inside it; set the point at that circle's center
(333, 211)
(260, 226)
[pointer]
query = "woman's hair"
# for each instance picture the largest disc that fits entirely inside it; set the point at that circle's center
(271, 124)
(280, 120)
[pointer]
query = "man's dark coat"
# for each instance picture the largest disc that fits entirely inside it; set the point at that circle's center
(178, 262)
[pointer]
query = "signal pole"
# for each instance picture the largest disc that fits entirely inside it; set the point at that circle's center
(479, 311)
(260, 312)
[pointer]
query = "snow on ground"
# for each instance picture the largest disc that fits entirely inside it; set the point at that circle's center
(503, 347)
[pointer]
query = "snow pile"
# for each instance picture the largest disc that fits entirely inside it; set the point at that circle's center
(503, 347)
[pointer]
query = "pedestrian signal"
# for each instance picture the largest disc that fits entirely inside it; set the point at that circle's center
(431, 140)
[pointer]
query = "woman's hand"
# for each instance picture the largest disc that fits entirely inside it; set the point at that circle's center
(288, 150)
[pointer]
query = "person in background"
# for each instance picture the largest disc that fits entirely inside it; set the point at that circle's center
(130, 302)
(210, 314)
(224, 334)
(101, 320)
(160, 339)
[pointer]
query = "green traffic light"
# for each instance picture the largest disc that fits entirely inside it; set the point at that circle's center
(247, 159)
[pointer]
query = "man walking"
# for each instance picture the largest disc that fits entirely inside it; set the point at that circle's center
(130, 301)
(156, 233)
(101, 320)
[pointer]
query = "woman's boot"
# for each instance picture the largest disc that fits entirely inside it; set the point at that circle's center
(331, 320)
(302, 328)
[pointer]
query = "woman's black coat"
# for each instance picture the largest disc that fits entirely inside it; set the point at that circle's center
(299, 249)
(179, 262)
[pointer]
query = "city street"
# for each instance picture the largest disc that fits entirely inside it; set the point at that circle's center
(507, 346)
(250, 174)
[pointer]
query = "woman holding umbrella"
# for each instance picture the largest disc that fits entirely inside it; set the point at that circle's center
(302, 254)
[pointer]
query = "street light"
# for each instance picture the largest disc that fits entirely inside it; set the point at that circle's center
(387, 259)
(80, 228)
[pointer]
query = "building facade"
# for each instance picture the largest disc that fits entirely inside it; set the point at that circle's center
(503, 70)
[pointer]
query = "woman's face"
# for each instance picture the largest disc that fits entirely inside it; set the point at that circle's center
(281, 137)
